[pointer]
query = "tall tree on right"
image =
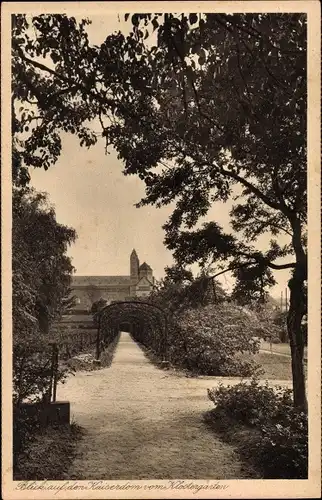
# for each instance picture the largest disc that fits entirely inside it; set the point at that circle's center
(224, 117)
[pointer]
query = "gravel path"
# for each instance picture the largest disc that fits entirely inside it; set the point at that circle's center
(145, 423)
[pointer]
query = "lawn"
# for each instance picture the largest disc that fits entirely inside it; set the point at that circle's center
(280, 348)
(275, 367)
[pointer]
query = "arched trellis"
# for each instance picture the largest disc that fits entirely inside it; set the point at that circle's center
(138, 314)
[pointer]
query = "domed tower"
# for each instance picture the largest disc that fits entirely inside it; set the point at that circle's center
(146, 271)
(134, 266)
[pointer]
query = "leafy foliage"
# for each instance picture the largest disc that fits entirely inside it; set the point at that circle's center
(282, 449)
(251, 403)
(202, 334)
(270, 326)
(98, 305)
(210, 339)
(180, 290)
(41, 279)
(280, 445)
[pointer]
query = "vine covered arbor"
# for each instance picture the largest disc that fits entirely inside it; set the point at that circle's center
(140, 318)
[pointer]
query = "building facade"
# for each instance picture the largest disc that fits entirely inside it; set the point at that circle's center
(139, 283)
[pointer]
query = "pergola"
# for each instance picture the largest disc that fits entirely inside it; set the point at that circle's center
(139, 318)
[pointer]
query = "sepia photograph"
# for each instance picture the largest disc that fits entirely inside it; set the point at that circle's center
(161, 284)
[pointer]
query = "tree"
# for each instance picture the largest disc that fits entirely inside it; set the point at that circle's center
(98, 305)
(69, 302)
(221, 103)
(41, 278)
(215, 131)
(180, 291)
(93, 294)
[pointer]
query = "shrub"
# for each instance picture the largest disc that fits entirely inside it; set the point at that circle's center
(24, 427)
(205, 340)
(210, 339)
(41, 274)
(98, 305)
(279, 445)
(251, 403)
(281, 449)
(32, 369)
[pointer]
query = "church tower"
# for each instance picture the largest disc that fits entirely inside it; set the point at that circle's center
(134, 266)
(145, 271)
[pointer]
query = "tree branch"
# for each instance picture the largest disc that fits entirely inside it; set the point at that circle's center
(273, 224)
(253, 189)
(73, 85)
(194, 87)
(290, 265)
(231, 268)
(262, 260)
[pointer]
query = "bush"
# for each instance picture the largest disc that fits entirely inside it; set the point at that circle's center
(98, 305)
(251, 403)
(24, 427)
(282, 448)
(209, 340)
(205, 340)
(279, 445)
(32, 369)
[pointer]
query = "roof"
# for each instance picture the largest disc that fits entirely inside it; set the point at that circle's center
(145, 266)
(99, 281)
(143, 280)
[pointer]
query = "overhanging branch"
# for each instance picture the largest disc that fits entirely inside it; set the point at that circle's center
(271, 203)
(255, 260)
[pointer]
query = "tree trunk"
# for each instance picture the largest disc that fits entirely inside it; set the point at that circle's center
(294, 319)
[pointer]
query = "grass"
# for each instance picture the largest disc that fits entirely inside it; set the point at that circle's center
(275, 367)
(280, 348)
(49, 454)
(233, 433)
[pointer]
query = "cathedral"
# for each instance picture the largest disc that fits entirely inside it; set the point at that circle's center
(139, 283)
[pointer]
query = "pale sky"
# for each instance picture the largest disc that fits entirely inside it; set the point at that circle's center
(91, 194)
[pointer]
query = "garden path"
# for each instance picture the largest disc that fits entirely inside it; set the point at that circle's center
(145, 423)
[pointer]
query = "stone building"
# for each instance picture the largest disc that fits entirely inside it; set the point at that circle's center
(139, 283)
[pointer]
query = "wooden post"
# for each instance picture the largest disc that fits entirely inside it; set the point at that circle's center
(98, 338)
(52, 371)
(55, 377)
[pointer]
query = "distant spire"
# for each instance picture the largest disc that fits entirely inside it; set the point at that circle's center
(134, 265)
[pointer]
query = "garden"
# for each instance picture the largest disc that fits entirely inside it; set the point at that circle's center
(216, 125)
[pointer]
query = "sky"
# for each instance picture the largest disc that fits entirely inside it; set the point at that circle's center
(91, 194)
